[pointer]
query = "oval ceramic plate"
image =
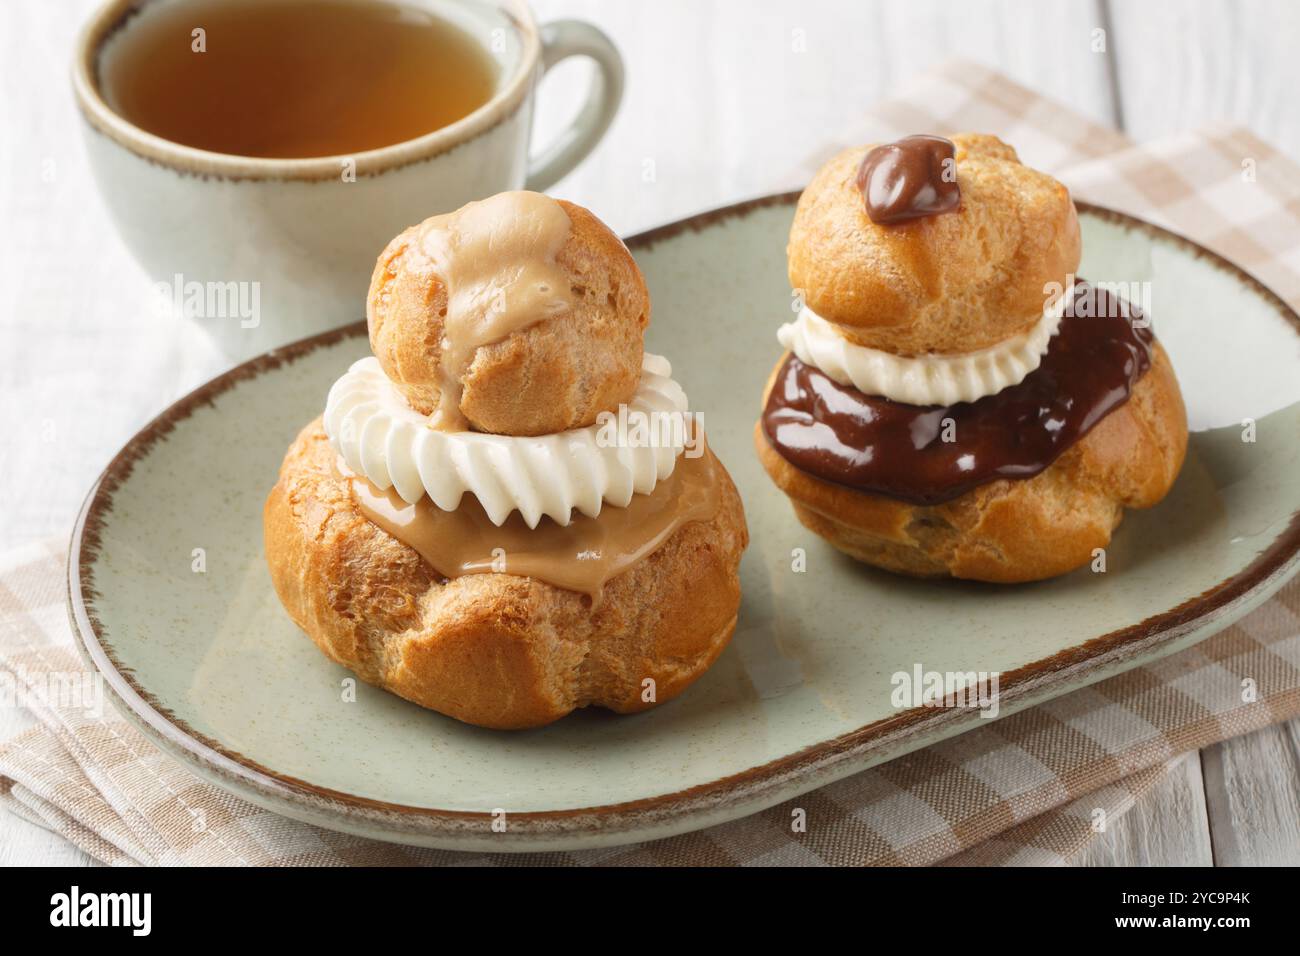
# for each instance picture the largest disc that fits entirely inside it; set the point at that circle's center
(208, 665)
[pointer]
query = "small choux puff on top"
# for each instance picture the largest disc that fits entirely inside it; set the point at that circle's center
(551, 374)
(946, 283)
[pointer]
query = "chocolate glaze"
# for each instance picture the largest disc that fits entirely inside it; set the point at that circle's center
(883, 447)
(905, 179)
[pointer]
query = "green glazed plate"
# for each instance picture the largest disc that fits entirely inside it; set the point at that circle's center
(210, 668)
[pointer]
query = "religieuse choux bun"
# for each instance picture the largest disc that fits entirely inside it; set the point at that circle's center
(953, 401)
(457, 527)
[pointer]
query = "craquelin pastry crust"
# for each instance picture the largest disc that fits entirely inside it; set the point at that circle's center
(948, 283)
(497, 650)
(554, 375)
(1008, 530)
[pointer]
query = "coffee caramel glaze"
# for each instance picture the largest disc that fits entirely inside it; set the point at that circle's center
(875, 445)
(905, 179)
(556, 371)
(497, 258)
(581, 556)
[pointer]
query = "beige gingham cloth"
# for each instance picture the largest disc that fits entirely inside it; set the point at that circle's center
(1032, 788)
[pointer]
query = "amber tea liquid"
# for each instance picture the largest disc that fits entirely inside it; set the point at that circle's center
(294, 78)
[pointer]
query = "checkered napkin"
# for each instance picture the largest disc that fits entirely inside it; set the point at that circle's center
(1033, 788)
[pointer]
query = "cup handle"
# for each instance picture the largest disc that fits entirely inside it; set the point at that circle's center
(561, 40)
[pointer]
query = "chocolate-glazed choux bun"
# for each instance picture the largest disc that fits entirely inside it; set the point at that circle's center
(954, 402)
(545, 334)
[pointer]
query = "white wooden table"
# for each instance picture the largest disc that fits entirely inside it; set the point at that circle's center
(714, 101)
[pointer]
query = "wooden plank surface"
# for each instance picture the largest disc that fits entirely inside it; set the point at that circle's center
(1185, 63)
(1252, 791)
(725, 98)
(1167, 827)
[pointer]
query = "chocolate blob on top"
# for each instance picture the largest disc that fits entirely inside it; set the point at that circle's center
(908, 179)
(927, 455)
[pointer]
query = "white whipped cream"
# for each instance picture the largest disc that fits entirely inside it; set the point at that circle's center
(932, 379)
(377, 434)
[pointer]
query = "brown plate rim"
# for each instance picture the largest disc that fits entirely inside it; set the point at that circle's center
(751, 784)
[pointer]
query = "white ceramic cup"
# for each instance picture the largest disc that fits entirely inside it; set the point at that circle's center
(260, 252)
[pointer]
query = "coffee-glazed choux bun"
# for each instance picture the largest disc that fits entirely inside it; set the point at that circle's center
(517, 315)
(498, 649)
(953, 282)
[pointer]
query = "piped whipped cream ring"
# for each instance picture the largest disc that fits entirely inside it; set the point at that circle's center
(933, 379)
(377, 434)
